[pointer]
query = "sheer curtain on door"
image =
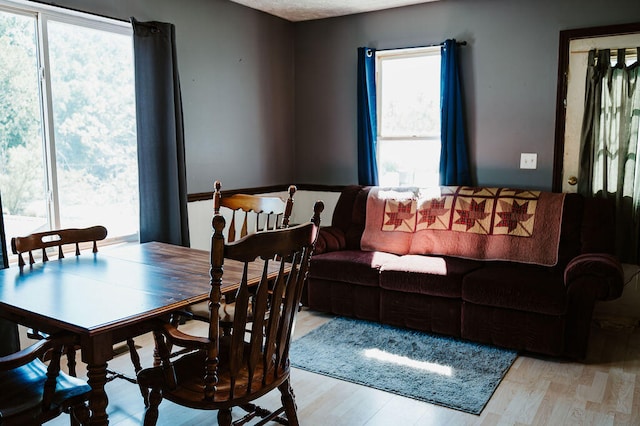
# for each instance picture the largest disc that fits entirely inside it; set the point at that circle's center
(609, 167)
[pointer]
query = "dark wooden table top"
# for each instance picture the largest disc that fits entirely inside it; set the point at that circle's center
(89, 294)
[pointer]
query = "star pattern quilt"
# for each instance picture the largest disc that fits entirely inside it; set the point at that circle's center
(478, 223)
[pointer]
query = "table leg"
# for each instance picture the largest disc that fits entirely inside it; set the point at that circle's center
(97, 375)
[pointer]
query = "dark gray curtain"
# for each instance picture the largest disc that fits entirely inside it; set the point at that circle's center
(610, 143)
(161, 157)
(9, 338)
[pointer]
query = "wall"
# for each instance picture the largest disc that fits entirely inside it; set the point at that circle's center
(279, 99)
(236, 72)
(509, 79)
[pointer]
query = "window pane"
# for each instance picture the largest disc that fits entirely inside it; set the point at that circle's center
(410, 96)
(409, 163)
(22, 176)
(95, 131)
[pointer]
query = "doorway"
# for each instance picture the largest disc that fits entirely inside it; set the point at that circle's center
(572, 63)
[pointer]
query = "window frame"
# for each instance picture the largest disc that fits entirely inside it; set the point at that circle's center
(43, 15)
(391, 54)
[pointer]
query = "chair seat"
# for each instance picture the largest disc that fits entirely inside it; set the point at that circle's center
(190, 384)
(200, 311)
(22, 392)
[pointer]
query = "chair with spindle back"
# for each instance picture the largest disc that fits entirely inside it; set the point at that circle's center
(223, 371)
(276, 212)
(56, 240)
(254, 213)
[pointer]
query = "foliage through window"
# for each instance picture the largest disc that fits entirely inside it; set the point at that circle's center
(68, 150)
(408, 111)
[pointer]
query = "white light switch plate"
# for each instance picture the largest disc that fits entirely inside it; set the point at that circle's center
(528, 160)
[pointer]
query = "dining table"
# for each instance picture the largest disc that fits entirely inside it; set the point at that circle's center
(107, 297)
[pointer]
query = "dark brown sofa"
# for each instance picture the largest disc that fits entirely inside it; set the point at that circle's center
(533, 308)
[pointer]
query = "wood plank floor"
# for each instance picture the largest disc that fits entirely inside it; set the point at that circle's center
(603, 390)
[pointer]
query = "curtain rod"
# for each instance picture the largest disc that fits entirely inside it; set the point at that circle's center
(458, 43)
(614, 50)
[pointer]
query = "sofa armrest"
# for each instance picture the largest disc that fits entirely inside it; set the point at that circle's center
(330, 238)
(601, 268)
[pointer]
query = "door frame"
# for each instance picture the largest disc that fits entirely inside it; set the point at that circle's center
(566, 36)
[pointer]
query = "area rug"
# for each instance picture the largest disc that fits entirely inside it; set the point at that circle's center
(436, 369)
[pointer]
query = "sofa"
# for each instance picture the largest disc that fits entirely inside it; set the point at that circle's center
(536, 295)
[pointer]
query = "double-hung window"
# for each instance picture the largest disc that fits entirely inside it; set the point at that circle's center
(408, 111)
(68, 150)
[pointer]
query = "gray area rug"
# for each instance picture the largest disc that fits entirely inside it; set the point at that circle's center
(441, 370)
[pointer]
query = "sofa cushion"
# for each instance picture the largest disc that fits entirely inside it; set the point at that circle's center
(351, 266)
(516, 286)
(432, 275)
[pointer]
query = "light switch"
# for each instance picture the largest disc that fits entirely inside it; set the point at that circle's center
(528, 160)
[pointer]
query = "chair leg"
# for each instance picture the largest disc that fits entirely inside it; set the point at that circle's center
(71, 360)
(289, 402)
(133, 353)
(151, 413)
(79, 415)
(224, 417)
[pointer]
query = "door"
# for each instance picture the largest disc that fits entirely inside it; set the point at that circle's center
(574, 46)
(578, 54)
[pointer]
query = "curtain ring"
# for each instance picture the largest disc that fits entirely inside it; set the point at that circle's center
(369, 53)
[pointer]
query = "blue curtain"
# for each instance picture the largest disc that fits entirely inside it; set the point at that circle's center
(9, 337)
(367, 130)
(161, 157)
(454, 159)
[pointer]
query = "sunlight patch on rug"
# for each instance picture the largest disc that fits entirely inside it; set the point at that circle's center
(441, 370)
(407, 362)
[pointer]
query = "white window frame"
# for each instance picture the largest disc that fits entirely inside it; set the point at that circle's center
(43, 14)
(382, 55)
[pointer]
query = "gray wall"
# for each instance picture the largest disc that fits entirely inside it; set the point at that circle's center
(270, 102)
(509, 79)
(236, 72)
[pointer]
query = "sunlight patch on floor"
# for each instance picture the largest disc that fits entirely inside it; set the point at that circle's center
(408, 362)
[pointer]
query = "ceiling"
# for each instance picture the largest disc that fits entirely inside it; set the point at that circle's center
(304, 10)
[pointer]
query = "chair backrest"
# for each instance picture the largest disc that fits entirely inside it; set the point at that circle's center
(262, 353)
(57, 238)
(268, 212)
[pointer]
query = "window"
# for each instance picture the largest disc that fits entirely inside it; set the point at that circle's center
(408, 110)
(68, 149)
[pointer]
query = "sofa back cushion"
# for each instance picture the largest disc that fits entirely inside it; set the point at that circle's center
(598, 229)
(570, 236)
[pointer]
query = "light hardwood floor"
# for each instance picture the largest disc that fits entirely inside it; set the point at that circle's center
(603, 390)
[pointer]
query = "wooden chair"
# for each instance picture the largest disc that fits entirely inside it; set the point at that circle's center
(34, 393)
(268, 212)
(225, 371)
(57, 239)
(256, 213)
